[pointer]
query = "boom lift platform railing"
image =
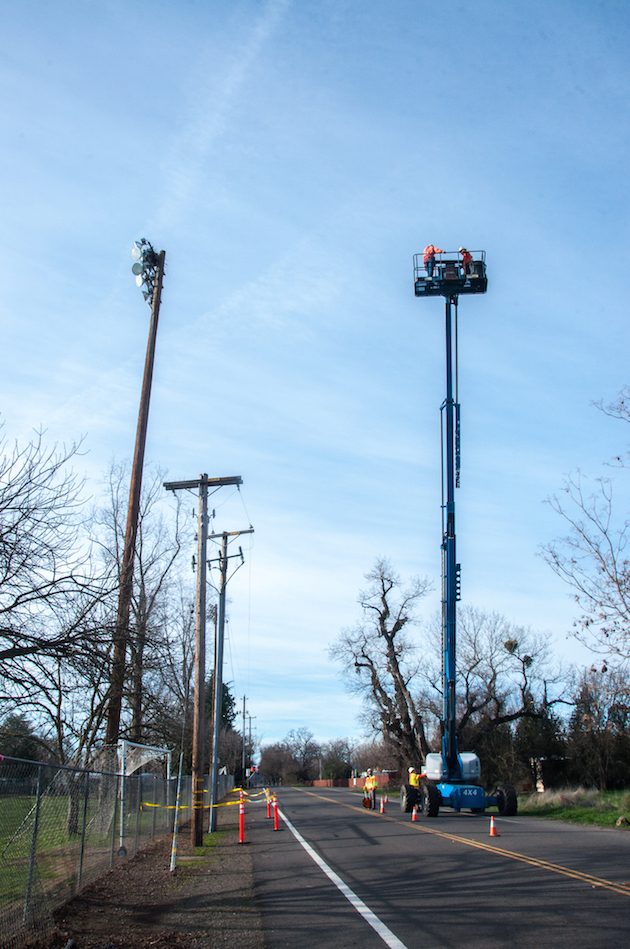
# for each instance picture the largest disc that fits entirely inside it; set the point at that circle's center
(450, 275)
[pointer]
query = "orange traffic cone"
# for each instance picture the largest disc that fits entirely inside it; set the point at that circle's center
(414, 813)
(382, 805)
(493, 830)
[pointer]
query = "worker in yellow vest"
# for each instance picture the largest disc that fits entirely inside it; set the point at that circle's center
(415, 777)
(369, 788)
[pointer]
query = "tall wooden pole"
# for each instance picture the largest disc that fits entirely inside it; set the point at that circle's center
(121, 633)
(218, 684)
(218, 672)
(196, 824)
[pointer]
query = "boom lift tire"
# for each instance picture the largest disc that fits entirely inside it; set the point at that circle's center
(507, 801)
(408, 797)
(430, 799)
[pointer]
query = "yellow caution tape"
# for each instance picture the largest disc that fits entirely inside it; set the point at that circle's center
(251, 798)
(184, 807)
(249, 794)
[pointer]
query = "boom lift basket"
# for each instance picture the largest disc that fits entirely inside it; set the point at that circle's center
(449, 276)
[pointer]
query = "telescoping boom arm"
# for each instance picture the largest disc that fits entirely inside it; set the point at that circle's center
(451, 570)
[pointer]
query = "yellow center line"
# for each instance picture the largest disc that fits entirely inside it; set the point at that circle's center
(622, 888)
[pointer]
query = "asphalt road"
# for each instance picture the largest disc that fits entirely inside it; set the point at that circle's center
(441, 882)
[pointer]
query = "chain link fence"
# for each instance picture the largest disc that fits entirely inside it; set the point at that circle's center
(61, 828)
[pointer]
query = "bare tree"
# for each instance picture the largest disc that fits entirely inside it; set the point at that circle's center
(598, 741)
(592, 557)
(336, 759)
(619, 408)
(375, 754)
(65, 689)
(66, 697)
(295, 759)
(504, 671)
(167, 716)
(48, 592)
(305, 752)
(380, 662)
(158, 545)
(276, 763)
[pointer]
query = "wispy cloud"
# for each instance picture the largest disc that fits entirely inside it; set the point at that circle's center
(211, 100)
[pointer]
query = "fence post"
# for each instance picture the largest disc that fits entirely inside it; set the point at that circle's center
(154, 814)
(86, 794)
(114, 816)
(33, 854)
(124, 786)
(138, 809)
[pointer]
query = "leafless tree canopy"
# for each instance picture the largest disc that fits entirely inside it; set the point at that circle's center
(158, 545)
(295, 759)
(59, 571)
(504, 671)
(598, 739)
(48, 590)
(380, 660)
(592, 557)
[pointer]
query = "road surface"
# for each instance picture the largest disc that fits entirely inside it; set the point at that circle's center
(339, 876)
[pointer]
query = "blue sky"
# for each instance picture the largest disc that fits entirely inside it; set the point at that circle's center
(290, 157)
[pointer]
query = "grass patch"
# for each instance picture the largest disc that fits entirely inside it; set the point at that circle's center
(578, 806)
(199, 854)
(210, 841)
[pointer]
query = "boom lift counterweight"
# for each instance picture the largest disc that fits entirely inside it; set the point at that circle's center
(451, 778)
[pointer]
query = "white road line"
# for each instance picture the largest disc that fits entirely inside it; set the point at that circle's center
(379, 927)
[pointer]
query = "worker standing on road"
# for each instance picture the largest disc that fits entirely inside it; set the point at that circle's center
(429, 258)
(415, 777)
(466, 261)
(369, 788)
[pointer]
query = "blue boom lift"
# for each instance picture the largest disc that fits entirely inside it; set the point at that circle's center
(451, 778)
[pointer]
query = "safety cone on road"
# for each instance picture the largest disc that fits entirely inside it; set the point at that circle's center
(414, 813)
(382, 805)
(493, 830)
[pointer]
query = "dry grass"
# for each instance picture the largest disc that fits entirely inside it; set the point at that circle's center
(579, 805)
(566, 797)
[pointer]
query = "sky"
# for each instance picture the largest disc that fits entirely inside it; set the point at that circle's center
(290, 157)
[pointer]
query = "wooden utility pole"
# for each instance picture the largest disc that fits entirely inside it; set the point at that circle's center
(196, 823)
(218, 671)
(151, 275)
(202, 483)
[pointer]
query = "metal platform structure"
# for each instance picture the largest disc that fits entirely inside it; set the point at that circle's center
(449, 277)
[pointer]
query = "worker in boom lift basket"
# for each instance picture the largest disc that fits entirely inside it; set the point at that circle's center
(429, 258)
(466, 261)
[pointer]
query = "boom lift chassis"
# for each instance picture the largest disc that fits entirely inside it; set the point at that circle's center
(451, 778)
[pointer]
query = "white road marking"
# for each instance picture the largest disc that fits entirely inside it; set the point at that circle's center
(379, 927)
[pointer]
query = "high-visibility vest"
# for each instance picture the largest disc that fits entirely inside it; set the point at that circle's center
(430, 251)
